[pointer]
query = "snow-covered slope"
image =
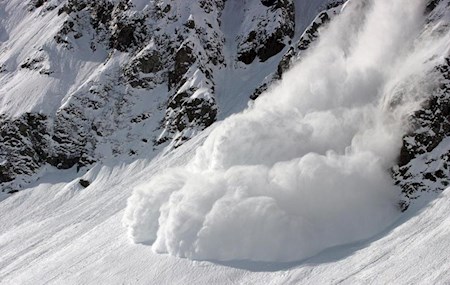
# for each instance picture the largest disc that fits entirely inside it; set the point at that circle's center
(106, 101)
(60, 233)
(127, 78)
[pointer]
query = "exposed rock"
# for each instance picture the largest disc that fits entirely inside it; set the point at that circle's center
(128, 33)
(146, 69)
(183, 61)
(150, 63)
(268, 3)
(268, 38)
(84, 183)
(105, 22)
(294, 53)
(187, 113)
(33, 140)
(210, 6)
(32, 63)
(23, 145)
(156, 59)
(431, 5)
(37, 3)
(424, 161)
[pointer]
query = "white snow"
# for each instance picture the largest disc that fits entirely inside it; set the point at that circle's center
(302, 172)
(59, 233)
(25, 40)
(305, 168)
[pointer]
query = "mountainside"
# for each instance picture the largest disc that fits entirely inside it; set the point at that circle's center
(252, 142)
(84, 81)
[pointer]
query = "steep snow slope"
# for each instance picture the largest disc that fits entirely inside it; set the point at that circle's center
(60, 233)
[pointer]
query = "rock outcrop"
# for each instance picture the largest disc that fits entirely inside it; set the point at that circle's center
(424, 160)
(272, 29)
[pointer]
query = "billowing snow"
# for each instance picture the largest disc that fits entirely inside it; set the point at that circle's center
(307, 166)
(304, 169)
(59, 233)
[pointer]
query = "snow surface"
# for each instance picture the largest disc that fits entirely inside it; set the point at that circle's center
(24, 39)
(59, 233)
(306, 167)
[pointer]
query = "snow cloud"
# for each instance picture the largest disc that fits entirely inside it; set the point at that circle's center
(306, 167)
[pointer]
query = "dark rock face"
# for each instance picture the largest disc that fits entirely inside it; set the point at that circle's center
(187, 67)
(159, 57)
(294, 53)
(431, 5)
(424, 161)
(193, 112)
(105, 22)
(273, 46)
(265, 43)
(38, 62)
(145, 70)
(268, 3)
(128, 33)
(312, 33)
(23, 145)
(37, 3)
(46, 5)
(210, 5)
(32, 140)
(73, 140)
(150, 63)
(84, 183)
(183, 61)
(123, 37)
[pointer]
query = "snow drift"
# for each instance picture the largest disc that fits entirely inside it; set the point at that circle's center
(306, 167)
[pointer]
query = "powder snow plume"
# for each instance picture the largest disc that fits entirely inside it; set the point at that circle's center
(306, 167)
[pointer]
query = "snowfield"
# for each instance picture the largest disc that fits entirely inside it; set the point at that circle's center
(60, 233)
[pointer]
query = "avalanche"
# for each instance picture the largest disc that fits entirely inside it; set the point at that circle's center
(307, 166)
(296, 189)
